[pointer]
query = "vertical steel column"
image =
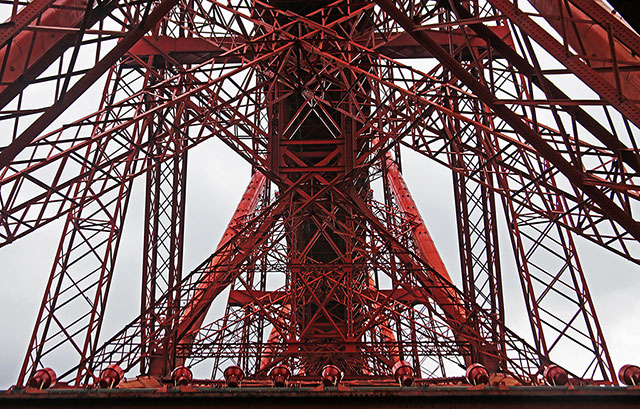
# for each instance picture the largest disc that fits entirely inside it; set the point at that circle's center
(163, 247)
(76, 294)
(479, 252)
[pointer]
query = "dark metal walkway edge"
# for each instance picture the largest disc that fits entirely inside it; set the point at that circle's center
(406, 398)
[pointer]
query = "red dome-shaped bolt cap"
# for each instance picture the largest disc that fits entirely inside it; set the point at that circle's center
(233, 375)
(111, 376)
(331, 375)
(555, 375)
(43, 379)
(477, 374)
(403, 373)
(629, 375)
(280, 375)
(181, 376)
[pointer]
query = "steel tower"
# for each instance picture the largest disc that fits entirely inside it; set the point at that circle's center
(326, 272)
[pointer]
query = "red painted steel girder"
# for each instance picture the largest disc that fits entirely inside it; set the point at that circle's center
(28, 47)
(615, 212)
(624, 156)
(194, 313)
(38, 126)
(191, 50)
(305, 105)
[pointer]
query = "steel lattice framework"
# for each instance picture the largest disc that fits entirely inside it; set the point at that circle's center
(533, 106)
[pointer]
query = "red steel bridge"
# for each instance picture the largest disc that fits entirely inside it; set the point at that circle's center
(326, 287)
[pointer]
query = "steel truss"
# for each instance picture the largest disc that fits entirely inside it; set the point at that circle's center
(321, 98)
